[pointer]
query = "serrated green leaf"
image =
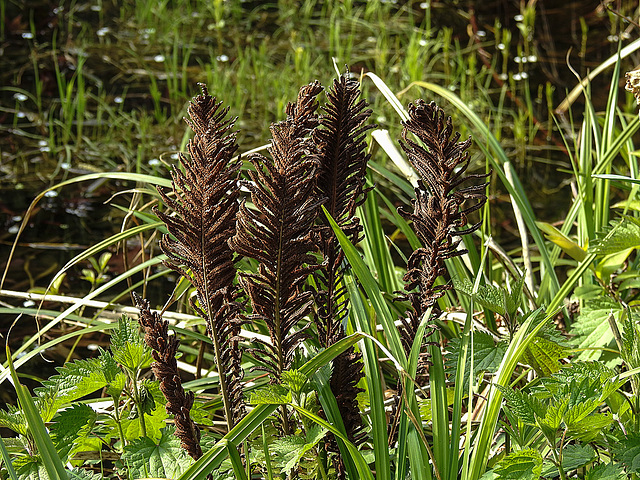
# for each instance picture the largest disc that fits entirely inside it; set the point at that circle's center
(523, 405)
(494, 298)
(270, 395)
(553, 416)
(627, 452)
(30, 468)
(522, 465)
(13, 419)
(591, 330)
(154, 424)
(69, 425)
(128, 347)
(82, 474)
(573, 457)
(606, 471)
(290, 450)
(544, 356)
(621, 235)
(148, 459)
(487, 355)
(73, 381)
(294, 380)
(590, 427)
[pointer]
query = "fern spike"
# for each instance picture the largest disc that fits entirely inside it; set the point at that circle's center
(205, 205)
(438, 217)
(165, 369)
(343, 164)
(278, 233)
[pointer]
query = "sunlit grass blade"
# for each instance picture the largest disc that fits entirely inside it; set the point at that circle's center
(484, 435)
(134, 177)
(236, 461)
(50, 458)
(255, 418)
(7, 461)
(375, 389)
(79, 303)
(362, 467)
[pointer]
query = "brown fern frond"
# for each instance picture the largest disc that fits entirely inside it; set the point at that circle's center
(439, 218)
(204, 205)
(342, 174)
(278, 232)
(165, 369)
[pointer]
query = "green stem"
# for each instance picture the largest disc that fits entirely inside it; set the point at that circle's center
(116, 416)
(138, 404)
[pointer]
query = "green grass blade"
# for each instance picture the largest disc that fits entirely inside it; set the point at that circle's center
(236, 462)
(7, 461)
(255, 418)
(363, 323)
(484, 435)
(372, 289)
(50, 458)
(215, 456)
(362, 467)
(80, 302)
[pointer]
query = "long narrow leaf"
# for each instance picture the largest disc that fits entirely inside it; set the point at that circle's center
(50, 458)
(373, 379)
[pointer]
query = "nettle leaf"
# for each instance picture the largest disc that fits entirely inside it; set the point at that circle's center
(553, 417)
(294, 380)
(627, 452)
(544, 356)
(573, 457)
(487, 355)
(13, 419)
(591, 329)
(606, 471)
(493, 298)
(590, 427)
(82, 474)
(523, 405)
(69, 425)
(128, 347)
(522, 465)
(73, 381)
(619, 236)
(165, 458)
(290, 450)
(154, 423)
(271, 395)
(30, 468)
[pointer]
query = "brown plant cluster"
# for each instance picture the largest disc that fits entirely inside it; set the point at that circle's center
(278, 232)
(343, 166)
(317, 157)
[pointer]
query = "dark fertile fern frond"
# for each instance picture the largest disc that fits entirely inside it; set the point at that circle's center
(204, 205)
(278, 232)
(439, 218)
(342, 174)
(165, 369)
